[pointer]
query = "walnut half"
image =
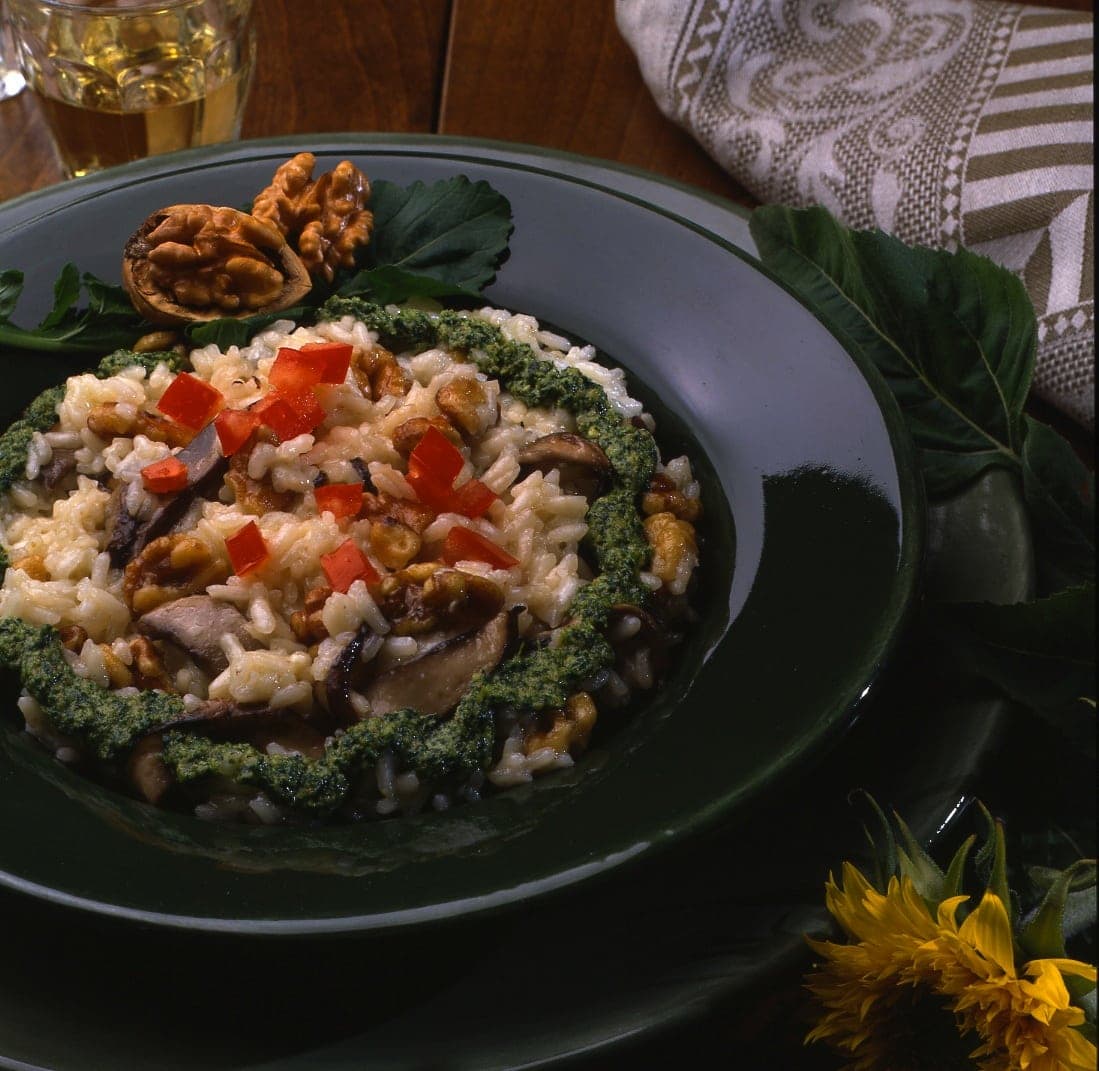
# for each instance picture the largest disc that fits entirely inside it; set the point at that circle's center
(201, 262)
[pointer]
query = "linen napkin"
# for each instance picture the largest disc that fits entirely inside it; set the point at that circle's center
(944, 122)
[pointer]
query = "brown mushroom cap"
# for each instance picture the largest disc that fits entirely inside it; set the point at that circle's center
(159, 306)
(582, 464)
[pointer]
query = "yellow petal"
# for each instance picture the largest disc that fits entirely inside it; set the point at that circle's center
(989, 931)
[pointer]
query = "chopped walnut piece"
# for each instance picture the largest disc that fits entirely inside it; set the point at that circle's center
(424, 596)
(155, 341)
(413, 515)
(466, 402)
(394, 544)
(256, 497)
(199, 262)
(73, 637)
(378, 374)
(664, 497)
(675, 549)
(408, 434)
(109, 422)
(169, 568)
(147, 665)
(327, 218)
(570, 729)
(307, 623)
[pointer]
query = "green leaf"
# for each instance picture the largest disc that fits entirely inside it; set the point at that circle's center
(66, 292)
(953, 334)
(11, 287)
(952, 882)
(227, 331)
(991, 863)
(1043, 934)
(1039, 653)
(1060, 498)
(883, 845)
(389, 285)
(454, 230)
(918, 866)
(105, 299)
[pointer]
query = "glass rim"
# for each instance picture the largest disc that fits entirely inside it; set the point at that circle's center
(113, 8)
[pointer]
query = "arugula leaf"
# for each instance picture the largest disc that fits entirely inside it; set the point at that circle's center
(108, 322)
(455, 230)
(390, 285)
(227, 331)
(953, 334)
(1060, 498)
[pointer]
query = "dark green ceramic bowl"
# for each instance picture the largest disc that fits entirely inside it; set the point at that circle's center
(812, 541)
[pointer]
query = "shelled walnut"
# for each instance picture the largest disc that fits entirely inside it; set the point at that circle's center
(169, 568)
(326, 218)
(201, 262)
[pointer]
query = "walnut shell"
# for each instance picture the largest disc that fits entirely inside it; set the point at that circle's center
(204, 262)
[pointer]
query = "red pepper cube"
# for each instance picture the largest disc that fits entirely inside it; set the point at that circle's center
(334, 356)
(234, 428)
(436, 457)
(190, 401)
(247, 549)
(465, 545)
(163, 477)
(473, 498)
(295, 371)
(289, 415)
(431, 491)
(340, 499)
(345, 565)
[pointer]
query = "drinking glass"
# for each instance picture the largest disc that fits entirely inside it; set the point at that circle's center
(123, 79)
(11, 77)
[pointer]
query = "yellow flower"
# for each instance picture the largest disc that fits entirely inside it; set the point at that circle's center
(912, 991)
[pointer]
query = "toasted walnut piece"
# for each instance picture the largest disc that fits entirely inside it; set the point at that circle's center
(169, 568)
(34, 565)
(118, 673)
(570, 729)
(199, 262)
(466, 402)
(155, 341)
(73, 637)
(256, 497)
(147, 770)
(673, 542)
(147, 665)
(327, 218)
(424, 597)
(109, 422)
(394, 544)
(664, 497)
(408, 434)
(307, 623)
(413, 515)
(378, 374)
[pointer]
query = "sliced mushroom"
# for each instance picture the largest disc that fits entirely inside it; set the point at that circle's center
(61, 464)
(128, 536)
(583, 466)
(434, 682)
(196, 624)
(346, 671)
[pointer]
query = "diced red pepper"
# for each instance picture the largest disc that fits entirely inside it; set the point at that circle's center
(289, 415)
(163, 477)
(472, 499)
(336, 359)
(431, 491)
(465, 545)
(345, 565)
(295, 371)
(247, 549)
(234, 428)
(190, 401)
(437, 457)
(340, 499)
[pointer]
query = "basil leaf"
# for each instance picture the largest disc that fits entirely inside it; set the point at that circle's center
(1060, 498)
(389, 285)
(953, 334)
(1039, 653)
(11, 287)
(455, 230)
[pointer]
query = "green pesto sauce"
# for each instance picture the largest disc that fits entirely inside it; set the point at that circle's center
(436, 750)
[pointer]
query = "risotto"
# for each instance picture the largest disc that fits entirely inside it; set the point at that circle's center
(390, 560)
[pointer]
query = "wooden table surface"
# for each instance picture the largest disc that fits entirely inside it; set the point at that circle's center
(550, 72)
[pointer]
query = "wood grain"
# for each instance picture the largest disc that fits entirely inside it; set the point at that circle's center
(368, 65)
(560, 75)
